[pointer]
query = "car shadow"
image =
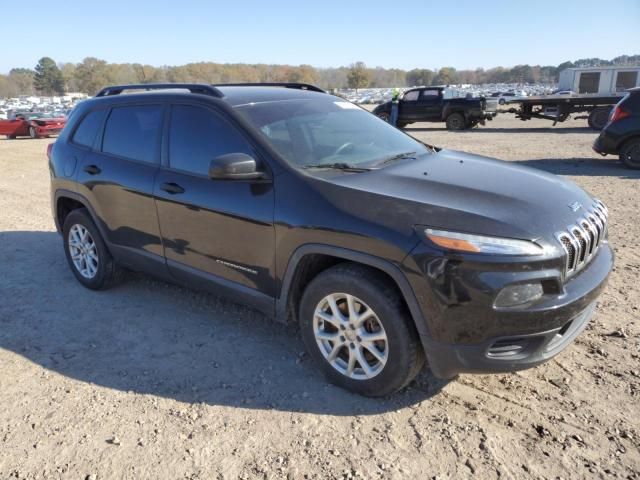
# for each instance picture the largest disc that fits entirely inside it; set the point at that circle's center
(150, 337)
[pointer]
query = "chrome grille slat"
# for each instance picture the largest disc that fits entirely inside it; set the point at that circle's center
(581, 240)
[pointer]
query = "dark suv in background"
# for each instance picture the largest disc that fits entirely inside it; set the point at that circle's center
(621, 135)
(298, 203)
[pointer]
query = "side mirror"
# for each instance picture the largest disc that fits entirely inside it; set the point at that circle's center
(234, 166)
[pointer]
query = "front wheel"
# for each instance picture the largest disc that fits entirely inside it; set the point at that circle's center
(456, 121)
(357, 328)
(384, 116)
(630, 154)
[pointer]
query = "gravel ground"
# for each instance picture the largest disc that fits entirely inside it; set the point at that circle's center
(149, 380)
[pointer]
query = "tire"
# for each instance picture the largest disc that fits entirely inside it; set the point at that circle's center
(630, 154)
(99, 274)
(598, 118)
(33, 133)
(11, 137)
(501, 101)
(372, 292)
(456, 121)
(384, 116)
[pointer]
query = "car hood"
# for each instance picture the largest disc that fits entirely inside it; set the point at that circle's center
(463, 192)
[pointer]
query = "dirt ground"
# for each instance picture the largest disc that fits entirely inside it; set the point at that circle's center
(149, 380)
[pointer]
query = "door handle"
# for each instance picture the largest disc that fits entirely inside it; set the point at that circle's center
(92, 169)
(172, 188)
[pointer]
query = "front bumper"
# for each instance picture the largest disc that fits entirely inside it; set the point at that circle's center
(504, 354)
(472, 336)
(43, 131)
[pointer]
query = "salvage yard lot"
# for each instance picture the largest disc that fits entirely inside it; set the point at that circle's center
(149, 380)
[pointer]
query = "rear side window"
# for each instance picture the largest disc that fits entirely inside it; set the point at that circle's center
(430, 94)
(86, 132)
(198, 135)
(133, 132)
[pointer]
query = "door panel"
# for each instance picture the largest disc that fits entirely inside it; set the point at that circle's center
(222, 227)
(120, 189)
(10, 127)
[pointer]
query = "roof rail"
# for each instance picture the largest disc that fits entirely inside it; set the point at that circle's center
(192, 87)
(299, 86)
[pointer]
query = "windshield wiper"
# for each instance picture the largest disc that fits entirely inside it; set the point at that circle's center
(338, 166)
(394, 158)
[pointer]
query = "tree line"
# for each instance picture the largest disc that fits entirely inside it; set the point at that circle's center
(90, 75)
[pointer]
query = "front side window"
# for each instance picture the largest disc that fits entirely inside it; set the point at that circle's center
(198, 135)
(133, 132)
(411, 96)
(311, 131)
(86, 132)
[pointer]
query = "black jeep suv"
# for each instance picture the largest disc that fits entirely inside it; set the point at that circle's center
(384, 249)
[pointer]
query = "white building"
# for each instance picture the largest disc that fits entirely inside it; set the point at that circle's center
(599, 80)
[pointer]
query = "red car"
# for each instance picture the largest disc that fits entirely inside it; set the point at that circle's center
(31, 124)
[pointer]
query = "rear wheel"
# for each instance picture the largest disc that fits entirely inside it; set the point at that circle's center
(598, 118)
(456, 121)
(33, 133)
(630, 154)
(86, 253)
(357, 328)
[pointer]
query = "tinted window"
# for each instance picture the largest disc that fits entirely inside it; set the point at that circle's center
(430, 94)
(411, 96)
(133, 132)
(88, 128)
(198, 135)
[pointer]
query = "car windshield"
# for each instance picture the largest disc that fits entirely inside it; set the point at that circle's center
(312, 132)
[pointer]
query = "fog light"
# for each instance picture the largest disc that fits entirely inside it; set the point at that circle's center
(521, 294)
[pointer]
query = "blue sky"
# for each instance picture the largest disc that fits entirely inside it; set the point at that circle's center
(462, 34)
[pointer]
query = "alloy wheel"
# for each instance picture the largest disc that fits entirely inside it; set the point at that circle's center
(350, 336)
(83, 251)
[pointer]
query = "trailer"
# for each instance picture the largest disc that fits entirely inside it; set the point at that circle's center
(592, 91)
(558, 108)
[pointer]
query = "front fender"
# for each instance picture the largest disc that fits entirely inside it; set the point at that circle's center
(351, 255)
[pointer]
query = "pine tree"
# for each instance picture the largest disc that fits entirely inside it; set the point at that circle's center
(48, 79)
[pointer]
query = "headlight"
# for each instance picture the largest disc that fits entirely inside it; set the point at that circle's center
(464, 242)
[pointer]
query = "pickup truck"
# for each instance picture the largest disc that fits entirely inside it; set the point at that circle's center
(427, 104)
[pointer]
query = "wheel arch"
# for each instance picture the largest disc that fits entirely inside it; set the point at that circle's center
(311, 259)
(65, 201)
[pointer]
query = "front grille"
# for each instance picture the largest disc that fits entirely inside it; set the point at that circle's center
(581, 240)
